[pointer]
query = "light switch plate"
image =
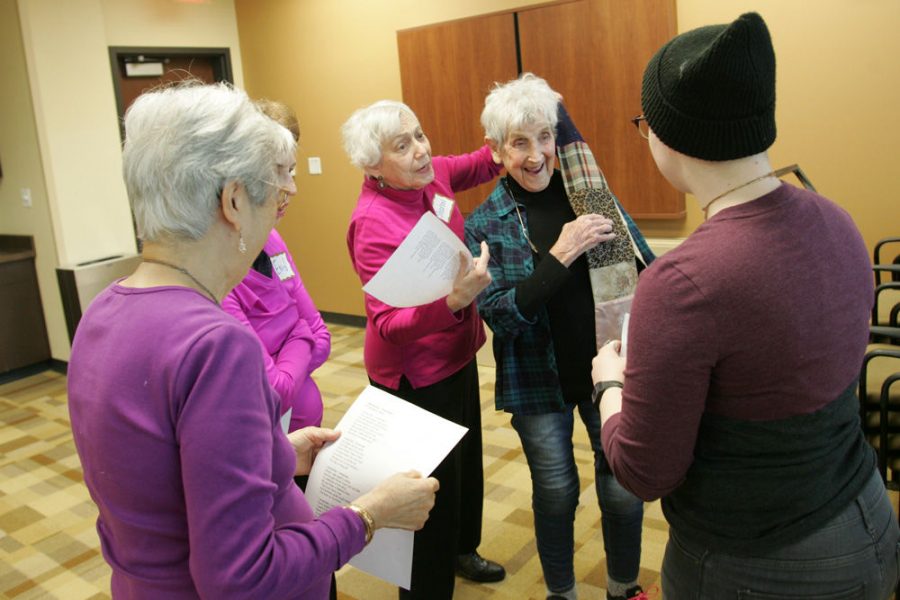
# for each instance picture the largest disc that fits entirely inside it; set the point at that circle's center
(315, 165)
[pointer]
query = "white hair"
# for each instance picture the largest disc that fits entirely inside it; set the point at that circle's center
(509, 106)
(370, 128)
(183, 143)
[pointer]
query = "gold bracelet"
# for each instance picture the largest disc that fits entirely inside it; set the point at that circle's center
(367, 520)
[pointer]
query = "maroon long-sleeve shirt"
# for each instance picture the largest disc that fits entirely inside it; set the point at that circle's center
(761, 314)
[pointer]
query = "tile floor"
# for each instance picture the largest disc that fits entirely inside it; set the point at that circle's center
(49, 546)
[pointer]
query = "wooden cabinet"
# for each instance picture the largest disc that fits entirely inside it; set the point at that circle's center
(591, 51)
(23, 334)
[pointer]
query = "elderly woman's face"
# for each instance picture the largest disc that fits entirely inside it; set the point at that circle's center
(287, 187)
(406, 158)
(529, 155)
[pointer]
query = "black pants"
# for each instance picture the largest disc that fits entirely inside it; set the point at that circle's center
(454, 524)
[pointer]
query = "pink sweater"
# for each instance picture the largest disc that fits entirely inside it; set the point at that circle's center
(424, 343)
(294, 338)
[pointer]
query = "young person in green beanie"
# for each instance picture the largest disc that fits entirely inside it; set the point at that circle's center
(737, 406)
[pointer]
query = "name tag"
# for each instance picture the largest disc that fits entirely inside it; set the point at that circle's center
(443, 207)
(282, 266)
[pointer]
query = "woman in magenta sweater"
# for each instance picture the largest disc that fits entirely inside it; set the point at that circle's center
(425, 354)
(273, 302)
(174, 421)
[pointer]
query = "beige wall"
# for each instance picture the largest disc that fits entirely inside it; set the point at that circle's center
(21, 160)
(837, 89)
(73, 116)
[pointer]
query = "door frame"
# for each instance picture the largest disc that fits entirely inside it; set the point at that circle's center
(219, 57)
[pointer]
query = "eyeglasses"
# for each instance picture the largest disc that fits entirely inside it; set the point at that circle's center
(643, 127)
(284, 194)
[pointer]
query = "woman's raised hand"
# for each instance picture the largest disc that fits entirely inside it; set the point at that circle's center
(469, 282)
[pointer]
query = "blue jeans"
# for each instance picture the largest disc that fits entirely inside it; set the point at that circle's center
(547, 441)
(854, 556)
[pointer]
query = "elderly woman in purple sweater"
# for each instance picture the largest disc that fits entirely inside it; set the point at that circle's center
(175, 423)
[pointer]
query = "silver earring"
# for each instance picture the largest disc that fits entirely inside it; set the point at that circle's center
(241, 245)
(380, 182)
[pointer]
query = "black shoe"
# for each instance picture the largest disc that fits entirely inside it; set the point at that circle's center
(635, 593)
(473, 567)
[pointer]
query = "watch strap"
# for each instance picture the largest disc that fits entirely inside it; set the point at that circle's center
(602, 386)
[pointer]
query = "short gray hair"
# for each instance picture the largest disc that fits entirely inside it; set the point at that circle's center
(368, 129)
(510, 105)
(183, 143)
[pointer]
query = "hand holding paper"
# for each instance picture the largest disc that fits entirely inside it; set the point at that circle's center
(608, 365)
(401, 501)
(423, 268)
(383, 435)
(307, 442)
(469, 282)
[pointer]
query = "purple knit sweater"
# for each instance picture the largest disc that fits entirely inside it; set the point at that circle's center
(178, 433)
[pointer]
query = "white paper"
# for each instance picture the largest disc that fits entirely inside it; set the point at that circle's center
(286, 420)
(624, 348)
(380, 435)
(422, 268)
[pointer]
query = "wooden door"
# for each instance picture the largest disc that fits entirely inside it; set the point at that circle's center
(591, 51)
(594, 52)
(446, 70)
(209, 65)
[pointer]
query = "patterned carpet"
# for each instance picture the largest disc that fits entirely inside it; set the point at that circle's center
(49, 545)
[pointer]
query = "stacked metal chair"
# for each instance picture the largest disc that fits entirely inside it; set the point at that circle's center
(879, 380)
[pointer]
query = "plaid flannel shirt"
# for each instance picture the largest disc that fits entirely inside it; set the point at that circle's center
(527, 378)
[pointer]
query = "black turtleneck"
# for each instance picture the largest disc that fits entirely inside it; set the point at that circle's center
(564, 292)
(263, 264)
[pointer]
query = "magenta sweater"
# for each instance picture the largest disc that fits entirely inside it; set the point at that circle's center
(425, 343)
(178, 433)
(294, 338)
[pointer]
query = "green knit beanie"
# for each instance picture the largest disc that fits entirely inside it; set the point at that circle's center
(710, 92)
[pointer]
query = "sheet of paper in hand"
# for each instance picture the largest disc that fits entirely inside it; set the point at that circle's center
(422, 268)
(380, 435)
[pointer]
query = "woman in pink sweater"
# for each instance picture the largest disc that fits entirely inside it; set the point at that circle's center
(273, 302)
(425, 354)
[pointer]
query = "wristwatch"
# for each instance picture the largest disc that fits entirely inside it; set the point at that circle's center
(601, 387)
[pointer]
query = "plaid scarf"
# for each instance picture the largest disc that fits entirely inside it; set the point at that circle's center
(611, 265)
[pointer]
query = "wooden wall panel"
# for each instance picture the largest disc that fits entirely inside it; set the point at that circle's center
(446, 71)
(593, 52)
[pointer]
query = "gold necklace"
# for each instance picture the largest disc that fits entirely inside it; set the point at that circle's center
(186, 272)
(734, 189)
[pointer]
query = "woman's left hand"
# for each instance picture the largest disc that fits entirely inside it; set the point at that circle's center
(307, 442)
(608, 365)
(469, 282)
